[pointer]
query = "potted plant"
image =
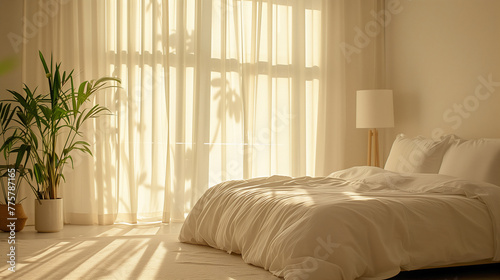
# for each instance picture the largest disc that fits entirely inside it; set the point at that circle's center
(11, 176)
(45, 132)
(12, 215)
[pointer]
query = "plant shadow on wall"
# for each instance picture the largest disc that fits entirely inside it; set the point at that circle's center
(128, 137)
(186, 41)
(184, 153)
(46, 129)
(229, 103)
(118, 150)
(193, 149)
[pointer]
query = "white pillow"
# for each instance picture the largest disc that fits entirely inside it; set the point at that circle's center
(477, 159)
(416, 155)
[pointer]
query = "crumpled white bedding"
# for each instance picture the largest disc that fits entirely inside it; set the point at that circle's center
(358, 223)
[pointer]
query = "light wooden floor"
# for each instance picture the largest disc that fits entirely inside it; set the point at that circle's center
(148, 251)
(151, 251)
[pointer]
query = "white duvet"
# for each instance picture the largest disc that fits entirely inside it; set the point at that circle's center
(363, 222)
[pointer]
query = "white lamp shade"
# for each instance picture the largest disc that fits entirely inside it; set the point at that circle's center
(374, 108)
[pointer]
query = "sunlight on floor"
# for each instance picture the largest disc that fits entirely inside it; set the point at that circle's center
(121, 252)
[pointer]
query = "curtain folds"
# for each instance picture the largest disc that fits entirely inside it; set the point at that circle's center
(212, 90)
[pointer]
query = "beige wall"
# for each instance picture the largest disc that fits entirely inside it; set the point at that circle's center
(363, 70)
(440, 56)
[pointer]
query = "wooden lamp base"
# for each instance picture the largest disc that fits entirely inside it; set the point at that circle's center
(373, 137)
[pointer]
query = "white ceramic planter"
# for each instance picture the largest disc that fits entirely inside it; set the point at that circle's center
(49, 215)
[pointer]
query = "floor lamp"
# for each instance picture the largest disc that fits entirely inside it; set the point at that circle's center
(374, 109)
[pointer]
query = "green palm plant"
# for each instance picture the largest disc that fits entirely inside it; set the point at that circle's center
(43, 130)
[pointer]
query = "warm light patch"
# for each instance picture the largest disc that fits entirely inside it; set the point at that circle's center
(143, 231)
(357, 196)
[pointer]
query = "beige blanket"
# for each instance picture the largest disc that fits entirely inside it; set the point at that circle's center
(359, 223)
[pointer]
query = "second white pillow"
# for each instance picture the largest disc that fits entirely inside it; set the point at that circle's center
(476, 159)
(416, 155)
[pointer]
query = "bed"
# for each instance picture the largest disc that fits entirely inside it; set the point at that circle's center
(434, 204)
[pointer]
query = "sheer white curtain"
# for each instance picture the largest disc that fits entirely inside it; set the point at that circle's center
(212, 90)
